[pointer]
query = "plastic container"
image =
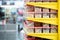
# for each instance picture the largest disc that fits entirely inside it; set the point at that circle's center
(32, 0)
(45, 15)
(53, 16)
(38, 15)
(38, 30)
(53, 11)
(45, 0)
(30, 38)
(54, 29)
(31, 15)
(29, 8)
(53, 0)
(37, 24)
(38, 10)
(45, 28)
(45, 10)
(38, 0)
(30, 30)
(30, 23)
(27, 0)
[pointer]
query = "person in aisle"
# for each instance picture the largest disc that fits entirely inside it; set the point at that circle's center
(20, 26)
(2, 14)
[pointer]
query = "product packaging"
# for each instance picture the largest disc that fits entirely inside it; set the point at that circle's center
(45, 0)
(45, 28)
(38, 10)
(32, 0)
(54, 29)
(38, 15)
(53, 11)
(29, 8)
(31, 15)
(46, 15)
(53, 0)
(30, 30)
(30, 23)
(38, 30)
(38, 0)
(45, 10)
(53, 16)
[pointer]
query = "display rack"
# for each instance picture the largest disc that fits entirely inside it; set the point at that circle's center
(53, 21)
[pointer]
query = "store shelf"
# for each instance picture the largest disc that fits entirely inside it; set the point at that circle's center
(51, 5)
(45, 20)
(44, 35)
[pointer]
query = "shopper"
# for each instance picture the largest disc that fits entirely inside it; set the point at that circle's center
(20, 20)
